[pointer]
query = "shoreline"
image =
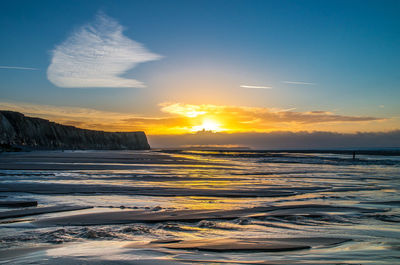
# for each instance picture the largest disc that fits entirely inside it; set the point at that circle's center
(155, 207)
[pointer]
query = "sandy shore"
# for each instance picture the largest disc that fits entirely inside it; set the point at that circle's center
(144, 207)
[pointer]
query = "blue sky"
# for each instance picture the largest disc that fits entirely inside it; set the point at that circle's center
(348, 52)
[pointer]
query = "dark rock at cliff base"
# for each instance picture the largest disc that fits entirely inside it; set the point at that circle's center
(19, 131)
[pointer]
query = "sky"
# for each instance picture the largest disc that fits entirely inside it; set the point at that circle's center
(180, 67)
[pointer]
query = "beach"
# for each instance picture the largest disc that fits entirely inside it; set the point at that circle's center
(199, 207)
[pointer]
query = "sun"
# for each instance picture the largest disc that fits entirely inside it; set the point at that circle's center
(208, 125)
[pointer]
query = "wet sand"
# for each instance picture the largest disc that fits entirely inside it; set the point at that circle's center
(183, 207)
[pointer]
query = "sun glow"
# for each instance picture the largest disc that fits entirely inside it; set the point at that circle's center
(208, 125)
(180, 118)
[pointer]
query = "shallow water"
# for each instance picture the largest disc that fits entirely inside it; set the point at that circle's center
(313, 195)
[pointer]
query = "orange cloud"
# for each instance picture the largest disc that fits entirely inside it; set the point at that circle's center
(179, 118)
(256, 119)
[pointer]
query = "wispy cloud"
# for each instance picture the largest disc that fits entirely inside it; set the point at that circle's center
(190, 111)
(262, 87)
(265, 115)
(82, 117)
(17, 67)
(298, 83)
(96, 55)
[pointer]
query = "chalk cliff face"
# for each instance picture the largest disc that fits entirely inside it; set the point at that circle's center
(17, 130)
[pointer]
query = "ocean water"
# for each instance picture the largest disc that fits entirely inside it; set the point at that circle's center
(250, 197)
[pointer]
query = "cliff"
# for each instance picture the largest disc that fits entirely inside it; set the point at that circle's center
(20, 131)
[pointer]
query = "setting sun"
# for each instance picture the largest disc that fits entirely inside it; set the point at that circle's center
(208, 125)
